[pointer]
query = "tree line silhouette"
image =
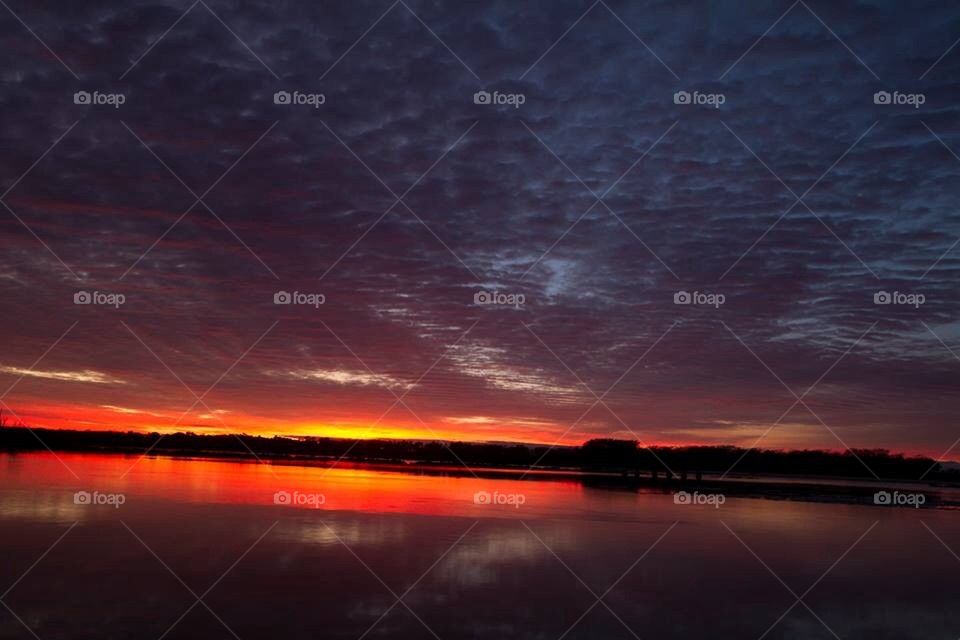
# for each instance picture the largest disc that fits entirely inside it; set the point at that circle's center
(603, 455)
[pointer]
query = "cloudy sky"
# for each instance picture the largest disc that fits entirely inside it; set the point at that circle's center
(501, 269)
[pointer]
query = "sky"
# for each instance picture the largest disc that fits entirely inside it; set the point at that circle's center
(486, 218)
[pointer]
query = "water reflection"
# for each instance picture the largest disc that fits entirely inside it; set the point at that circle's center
(472, 570)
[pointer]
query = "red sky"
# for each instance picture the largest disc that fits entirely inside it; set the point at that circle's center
(600, 259)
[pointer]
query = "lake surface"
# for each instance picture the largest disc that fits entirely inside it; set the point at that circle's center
(174, 548)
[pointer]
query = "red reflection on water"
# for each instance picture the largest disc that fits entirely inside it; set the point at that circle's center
(348, 487)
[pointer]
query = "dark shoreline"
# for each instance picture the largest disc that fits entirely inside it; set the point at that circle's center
(801, 488)
(599, 464)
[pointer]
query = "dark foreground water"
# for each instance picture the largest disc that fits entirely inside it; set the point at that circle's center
(201, 549)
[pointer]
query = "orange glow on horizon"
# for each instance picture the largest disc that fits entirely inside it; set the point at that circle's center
(108, 418)
(201, 422)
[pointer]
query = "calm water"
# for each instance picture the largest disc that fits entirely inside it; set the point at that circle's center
(335, 565)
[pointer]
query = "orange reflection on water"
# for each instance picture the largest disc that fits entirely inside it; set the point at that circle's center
(345, 487)
(40, 486)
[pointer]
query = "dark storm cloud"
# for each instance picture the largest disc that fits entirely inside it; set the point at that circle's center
(684, 199)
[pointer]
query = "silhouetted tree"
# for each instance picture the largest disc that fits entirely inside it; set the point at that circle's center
(609, 452)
